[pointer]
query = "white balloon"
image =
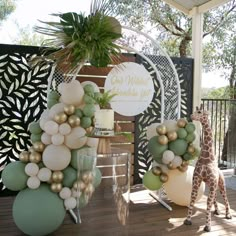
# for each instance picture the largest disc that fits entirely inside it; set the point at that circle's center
(65, 193)
(76, 139)
(56, 109)
(72, 93)
(167, 157)
(46, 138)
(57, 139)
(70, 203)
(177, 161)
(51, 127)
(44, 118)
(56, 157)
(31, 169)
(33, 182)
(44, 174)
(171, 125)
(151, 130)
(179, 186)
(92, 142)
(64, 129)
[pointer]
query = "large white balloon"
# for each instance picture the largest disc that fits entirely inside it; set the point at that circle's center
(76, 139)
(56, 109)
(179, 186)
(51, 127)
(56, 157)
(92, 142)
(72, 93)
(151, 130)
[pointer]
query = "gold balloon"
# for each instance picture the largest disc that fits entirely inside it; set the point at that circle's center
(191, 149)
(31, 149)
(164, 177)
(170, 166)
(87, 177)
(182, 122)
(89, 190)
(57, 176)
(74, 120)
(156, 170)
(56, 187)
(69, 109)
(163, 140)
(89, 130)
(79, 185)
(60, 118)
(185, 163)
(161, 129)
(172, 135)
(38, 146)
(35, 157)
(183, 168)
(24, 156)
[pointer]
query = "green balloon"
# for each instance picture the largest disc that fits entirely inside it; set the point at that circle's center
(156, 149)
(78, 112)
(190, 137)
(84, 162)
(51, 102)
(70, 176)
(97, 177)
(85, 122)
(151, 181)
(54, 95)
(14, 177)
(187, 156)
(83, 201)
(97, 95)
(89, 89)
(89, 110)
(35, 137)
(181, 132)
(39, 211)
(88, 99)
(34, 128)
(179, 146)
(190, 127)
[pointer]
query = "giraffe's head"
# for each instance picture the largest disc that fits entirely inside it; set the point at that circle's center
(200, 115)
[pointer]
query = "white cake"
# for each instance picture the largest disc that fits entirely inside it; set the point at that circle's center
(104, 122)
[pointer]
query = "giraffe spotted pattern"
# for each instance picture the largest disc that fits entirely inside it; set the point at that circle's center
(206, 169)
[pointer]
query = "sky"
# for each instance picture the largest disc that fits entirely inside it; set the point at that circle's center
(28, 12)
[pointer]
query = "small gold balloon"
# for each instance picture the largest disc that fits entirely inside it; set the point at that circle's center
(89, 190)
(79, 185)
(69, 109)
(89, 130)
(170, 166)
(57, 176)
(156, 170)
(182, 122)
(185, 163)
(191, 149)
(163, 140)
(24, 156)
(74, 121)
(87, 177)
(172, 135)
(183, 168)
(60, 118)
(35, 157)
(161, 129)
(56, 187)
(31, 149)
(164, 177)
(38, 146)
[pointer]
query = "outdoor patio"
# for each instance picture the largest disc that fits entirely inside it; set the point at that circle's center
(146, 217)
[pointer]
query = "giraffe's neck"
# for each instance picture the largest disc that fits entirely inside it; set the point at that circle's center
(207, 152)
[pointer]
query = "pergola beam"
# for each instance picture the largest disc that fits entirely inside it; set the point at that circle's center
(210, 5)
(177, 6)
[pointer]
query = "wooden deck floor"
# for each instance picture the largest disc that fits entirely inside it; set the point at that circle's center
(146, 218)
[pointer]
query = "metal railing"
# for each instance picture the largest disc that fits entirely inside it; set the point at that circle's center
(223, 124)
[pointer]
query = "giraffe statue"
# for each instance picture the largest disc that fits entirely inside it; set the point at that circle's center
(206, 169)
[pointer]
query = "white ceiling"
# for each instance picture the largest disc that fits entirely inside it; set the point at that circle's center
(188, 6)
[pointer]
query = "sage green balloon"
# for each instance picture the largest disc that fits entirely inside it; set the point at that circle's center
(188, 156)
(178, 147)
(83, 201)
(14, 177)
(88, 99)
(181, 132)
(78, 112)
(70, 176)
(35, 137)
(89, 89)
(151, 181)
(190, 127)
(34, 128)
(190, 137)
(85, 122)
(84, 162)
(39, 211)
(54, 95)
(97, 177)
(89, 110)
(51, 102)
(156, 149)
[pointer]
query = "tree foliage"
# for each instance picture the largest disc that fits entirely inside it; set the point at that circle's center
(6, 8)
